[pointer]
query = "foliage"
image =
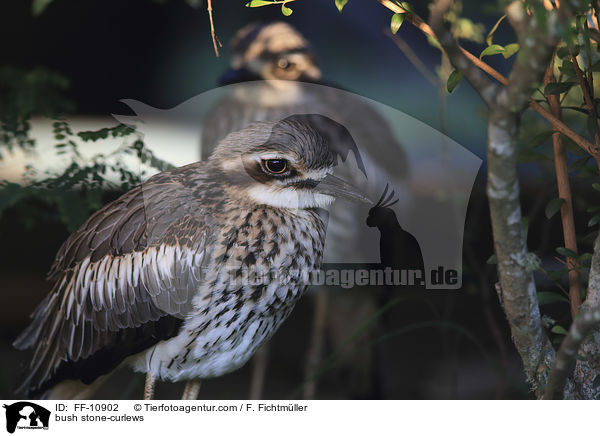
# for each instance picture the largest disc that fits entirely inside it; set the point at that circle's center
(25, 93)
(77, 190)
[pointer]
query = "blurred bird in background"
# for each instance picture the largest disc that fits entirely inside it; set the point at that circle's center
(283, 60)
(154, 280)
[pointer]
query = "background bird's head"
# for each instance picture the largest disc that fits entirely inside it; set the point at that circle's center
(274, 51)
(287, 163)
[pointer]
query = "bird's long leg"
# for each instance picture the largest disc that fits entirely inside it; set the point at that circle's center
(260, 362)
(191, 390)
(315, 348)
(149, 386)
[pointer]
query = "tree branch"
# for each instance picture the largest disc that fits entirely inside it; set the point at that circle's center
(556, 123)
(565, 130)
(487, 89)
(589, 101)
(587, 368)
(583, 325)
(418, 22)
(564, 192)
(516, 290)
(515, 264)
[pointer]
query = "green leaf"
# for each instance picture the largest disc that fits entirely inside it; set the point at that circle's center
(596, 186)
(258, 3)
(557, 275)
(593, 209)
(39, 6)
(407, 7)
(525, 156)
(579, 164)
(453, 79)
(490, 36)
(572, 147)
(559, 330)
(590, 237)
(563, 52)
(433, 42)
(566, 252)
(540, 138)
(510, 50)
(339, 4)
(492, 260)
(567, 69)
(553, 206)
(94, 135)
(592, 124)
(285, 10)
(550, 297)
(491, 50)
(397, 20)
(594, 220)
(558, 88)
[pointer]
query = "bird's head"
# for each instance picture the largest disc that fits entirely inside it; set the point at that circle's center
(274, 51)
(287, 163)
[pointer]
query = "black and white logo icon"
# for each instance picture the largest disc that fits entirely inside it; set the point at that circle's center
(26, 416)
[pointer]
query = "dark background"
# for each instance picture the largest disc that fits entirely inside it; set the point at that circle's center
(450, 344)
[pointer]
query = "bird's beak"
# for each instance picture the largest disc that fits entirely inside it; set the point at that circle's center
(338, 188)
(312, 74)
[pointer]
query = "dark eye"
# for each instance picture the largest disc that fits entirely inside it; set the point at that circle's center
(283, 63)
(275, 166)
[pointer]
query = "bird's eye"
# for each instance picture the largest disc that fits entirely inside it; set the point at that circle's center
(283, 63)
(275, 166)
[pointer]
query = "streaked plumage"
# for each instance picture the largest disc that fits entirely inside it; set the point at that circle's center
(274, 60)
(153, 277)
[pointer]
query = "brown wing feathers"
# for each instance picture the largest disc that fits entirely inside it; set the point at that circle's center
(116, 293)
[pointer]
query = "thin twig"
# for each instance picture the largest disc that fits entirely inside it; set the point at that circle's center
(315, 348)
(487, 89)
(589, 101)
(418, 22)
(215, 39)
(413, 58)
(582, 326)
(564, 129)
(564, 192)
(555, 122)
